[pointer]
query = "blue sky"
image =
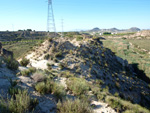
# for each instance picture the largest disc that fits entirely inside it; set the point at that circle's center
(77, 14)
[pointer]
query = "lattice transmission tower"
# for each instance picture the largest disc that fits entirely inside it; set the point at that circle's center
(50, 18)
(62, 26)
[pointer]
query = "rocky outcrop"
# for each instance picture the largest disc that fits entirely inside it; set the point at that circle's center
(91, 60)
(5, 52)
(145, 33)
(5, 76)
(46, 103)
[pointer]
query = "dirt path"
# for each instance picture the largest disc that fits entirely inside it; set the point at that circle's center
(100, 107)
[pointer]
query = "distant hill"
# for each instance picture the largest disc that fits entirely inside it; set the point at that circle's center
(95, 29)
(132, 29)
(114, 29)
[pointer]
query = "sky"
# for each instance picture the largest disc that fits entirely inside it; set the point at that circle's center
(76, 14)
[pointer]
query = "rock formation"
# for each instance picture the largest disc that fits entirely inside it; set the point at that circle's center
(5, 52)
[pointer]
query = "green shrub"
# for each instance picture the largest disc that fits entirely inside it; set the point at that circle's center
(50, 39)
(22, 103)
(55, 60)
(67, 74)
(117, 84)
(24, 62)
(49, 66)
(73, 106)
(78, 70)
(53, 48)
(12, 82)
(58, 90)
(13, 91)
(50, 86)
(95, 89)
(115, 104)
(32, 69)
(106, 89)
(61, 66)
(101, 96)
(25, 72)
(78, 86)
(95, 38)
(41, 88)
(47, 56)
(11, 63)
(71, 52)
(58, 54)
(116, 94)
(79, 38)
(125, 106)
(1, 62)
(44, 87)
(28, 72)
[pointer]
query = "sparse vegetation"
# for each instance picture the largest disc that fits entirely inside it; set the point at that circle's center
(47, 56)
(1, 61)
(11, 63)
(78, 86)
(22, 103)
(133, 54)
(79, 38)
(24, 61)
(144, 43)
(84, 72)
(125, 106)
(13, 82)
(50, 39)
(73, 106)
(28, 72)
(62, 65)
(67, 74)
(44, 87)
(49, 66)
(101, 96)
(58, 90)
(13, 91)
(39, 76)
(20, 48)
(58, 54)
(49, 86)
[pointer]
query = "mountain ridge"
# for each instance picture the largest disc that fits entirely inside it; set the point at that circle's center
(132, 29)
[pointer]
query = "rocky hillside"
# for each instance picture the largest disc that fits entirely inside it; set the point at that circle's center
(85, 72)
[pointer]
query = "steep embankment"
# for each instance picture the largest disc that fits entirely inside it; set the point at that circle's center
(90, 60)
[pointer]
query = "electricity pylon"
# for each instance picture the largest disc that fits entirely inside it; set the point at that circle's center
(62, 35)
(50, 18)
